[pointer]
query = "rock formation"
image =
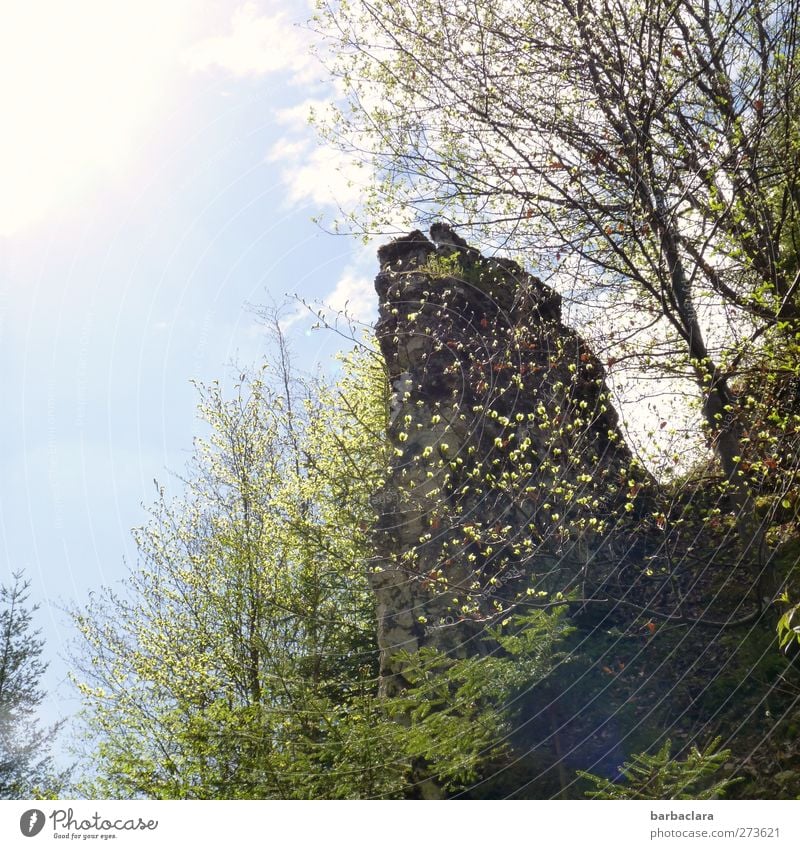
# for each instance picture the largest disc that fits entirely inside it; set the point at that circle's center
(509, 469)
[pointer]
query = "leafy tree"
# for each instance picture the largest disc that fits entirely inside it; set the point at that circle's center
(643, 155)
(26, 768)
(241, 659)
(249, 616)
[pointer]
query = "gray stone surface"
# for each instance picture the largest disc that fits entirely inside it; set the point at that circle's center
(509, 468)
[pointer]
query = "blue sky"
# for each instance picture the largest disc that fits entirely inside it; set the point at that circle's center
(157, 176)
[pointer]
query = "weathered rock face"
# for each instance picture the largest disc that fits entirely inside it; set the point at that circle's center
(509, 467)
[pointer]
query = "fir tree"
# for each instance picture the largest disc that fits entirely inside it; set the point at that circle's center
(25, 765)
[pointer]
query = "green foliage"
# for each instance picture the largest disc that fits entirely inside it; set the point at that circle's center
(223, 668)
(658, 776)
(788, 625)
(465, 269)
(26, 768)
(660, 196)
(459, 712)
(440, 267)
(241, 660)
(546, 138)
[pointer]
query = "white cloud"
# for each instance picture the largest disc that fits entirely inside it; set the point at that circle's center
(299, 313)
(326, 177)
(287, 149)
(258, 45)
(295, 118)
(267, 42)
(354, 295)
(319, 174)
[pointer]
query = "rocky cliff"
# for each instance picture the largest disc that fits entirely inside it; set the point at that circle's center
(509, 471)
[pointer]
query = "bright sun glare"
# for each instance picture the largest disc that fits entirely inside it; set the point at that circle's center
(79, 81)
